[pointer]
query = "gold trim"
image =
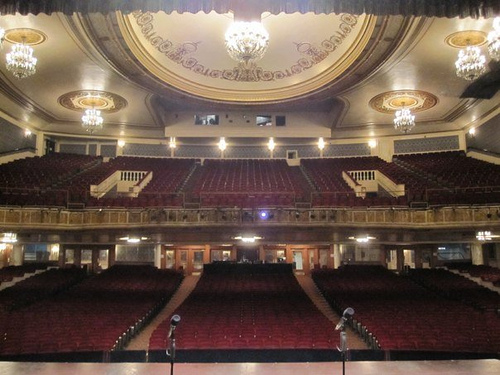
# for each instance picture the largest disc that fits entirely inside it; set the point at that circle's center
(246, 96)
(86, 99)
(391, 101)
(466, 38)
(27, 36)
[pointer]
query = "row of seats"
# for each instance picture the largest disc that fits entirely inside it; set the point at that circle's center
(221, 183)
(486, 273)
(457, 287)
(395, 313)
(101, 313)
(241, 310)
(10, 272)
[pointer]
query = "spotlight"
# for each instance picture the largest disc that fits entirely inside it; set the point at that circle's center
(264, 215)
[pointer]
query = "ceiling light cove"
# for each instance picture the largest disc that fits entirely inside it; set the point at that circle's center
(275, 63)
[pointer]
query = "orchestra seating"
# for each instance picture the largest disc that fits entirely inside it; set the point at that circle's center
(457, 287)
(485, 273)
(10, 272)
(394, 313)
(99, 314)
(248, 306)
(38, 287)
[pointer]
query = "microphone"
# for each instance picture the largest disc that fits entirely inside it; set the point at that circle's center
(348, 313)
(173, 324)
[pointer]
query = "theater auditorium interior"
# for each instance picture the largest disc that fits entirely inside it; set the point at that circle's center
(250, 187)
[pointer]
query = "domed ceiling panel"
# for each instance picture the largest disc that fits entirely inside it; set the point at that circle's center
(188, 52)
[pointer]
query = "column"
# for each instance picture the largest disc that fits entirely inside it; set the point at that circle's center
(40, 143)
(158, 255)
(16, 257)
(337, 257)
(476, 250)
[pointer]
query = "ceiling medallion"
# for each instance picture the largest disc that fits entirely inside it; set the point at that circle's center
(402, 103)
(462, 39)
(392, 101)
(92, 102)
(88, 99)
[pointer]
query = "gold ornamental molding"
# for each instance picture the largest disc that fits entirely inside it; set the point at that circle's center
(391, 101)
(179, 63)
(466, 38)
(86, 99)
(27, 36)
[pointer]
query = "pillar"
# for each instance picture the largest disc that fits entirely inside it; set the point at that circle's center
(158, 255)
(477, 254)
(337, 257)
(17, 255)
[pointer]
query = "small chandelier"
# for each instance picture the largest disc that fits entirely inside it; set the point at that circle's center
(494, 40)
(470, 63)
(404, 121)
(246, 41)
(20, 61)
(92, 120)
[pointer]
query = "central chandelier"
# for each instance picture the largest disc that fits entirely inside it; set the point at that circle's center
(404, 121)
(470, 63)
(20, 61)
(246, 41)
(92, 120)
(494, 40)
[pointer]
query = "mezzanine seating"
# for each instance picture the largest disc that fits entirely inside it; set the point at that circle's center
(249, 183)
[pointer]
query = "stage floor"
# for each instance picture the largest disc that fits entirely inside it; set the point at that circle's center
(459, 367)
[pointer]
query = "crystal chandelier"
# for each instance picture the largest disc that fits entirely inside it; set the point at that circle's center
(246, 41)
(20, 61)
(92, 120)
(494, 40)
(470, 64)
(404, 121)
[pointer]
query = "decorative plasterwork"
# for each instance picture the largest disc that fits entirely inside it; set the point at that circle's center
(24, 35)
(297, 61)
(466, 38)
(391, 101)
(85, 99)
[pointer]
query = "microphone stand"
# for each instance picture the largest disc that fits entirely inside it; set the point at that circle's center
(171, 350)
(343, 336)
(343, 347)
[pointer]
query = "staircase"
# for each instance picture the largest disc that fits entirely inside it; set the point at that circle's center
(354, 341)
(141, 341)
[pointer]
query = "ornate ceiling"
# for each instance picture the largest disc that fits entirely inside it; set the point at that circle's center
(345, 72)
